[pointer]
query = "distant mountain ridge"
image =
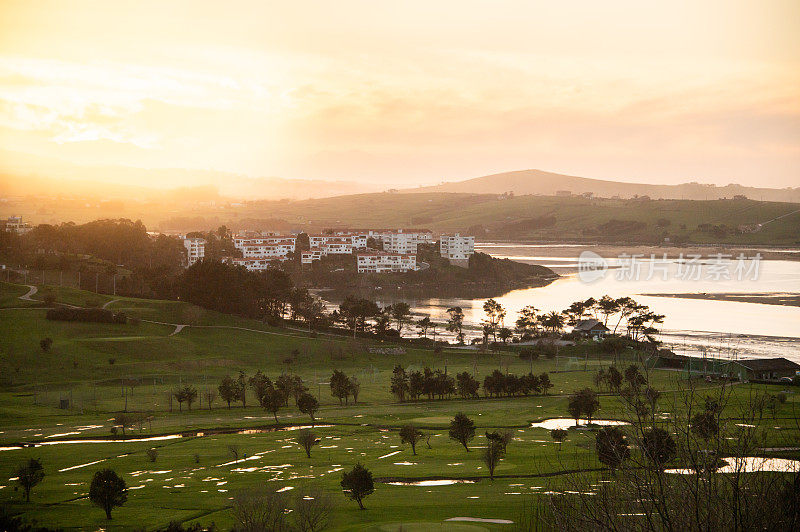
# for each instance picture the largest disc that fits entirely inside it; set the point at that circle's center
(25, 174)
(526, 182)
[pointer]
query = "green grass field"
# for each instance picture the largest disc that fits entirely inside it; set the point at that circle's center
(149, 361)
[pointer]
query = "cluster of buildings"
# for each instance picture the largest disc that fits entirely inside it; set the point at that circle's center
(14, 224)
(376, 250)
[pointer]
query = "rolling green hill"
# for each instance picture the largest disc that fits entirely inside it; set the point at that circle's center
(549, 217)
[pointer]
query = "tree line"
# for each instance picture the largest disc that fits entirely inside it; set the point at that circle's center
(437, 384)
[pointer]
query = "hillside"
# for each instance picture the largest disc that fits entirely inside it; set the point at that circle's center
(548, 183)
(549, 217)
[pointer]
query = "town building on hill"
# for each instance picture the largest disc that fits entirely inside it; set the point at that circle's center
(256, 264)
(195, 250)
(239, 242)
(384, 262)
(14, 224)
(457, 249)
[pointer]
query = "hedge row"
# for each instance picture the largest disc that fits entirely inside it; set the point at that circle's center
(94, 315)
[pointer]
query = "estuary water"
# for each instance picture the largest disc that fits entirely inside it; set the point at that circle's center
(720, 328)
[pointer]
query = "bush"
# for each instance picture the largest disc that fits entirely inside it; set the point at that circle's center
(92, 315)
(46, 344)
(152, 454)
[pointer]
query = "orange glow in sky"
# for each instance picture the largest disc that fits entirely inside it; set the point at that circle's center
(408, 92)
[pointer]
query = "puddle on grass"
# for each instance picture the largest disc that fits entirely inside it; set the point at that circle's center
(80, 466)
(287, 488)
(13, 448)
(481, 520)
(564, 423)
(128, 440)
(443, 482)
(390, 454)
(405, 463)
(751, 464)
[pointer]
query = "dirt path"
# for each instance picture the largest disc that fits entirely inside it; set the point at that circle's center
(107, 303)
(32, 290)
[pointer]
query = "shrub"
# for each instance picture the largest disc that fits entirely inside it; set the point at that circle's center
(152, 454)
(46, 344)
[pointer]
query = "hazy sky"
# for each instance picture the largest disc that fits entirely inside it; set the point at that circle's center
(409, 92)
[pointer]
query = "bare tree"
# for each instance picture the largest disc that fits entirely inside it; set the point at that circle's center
(259, 509)
(312, 509)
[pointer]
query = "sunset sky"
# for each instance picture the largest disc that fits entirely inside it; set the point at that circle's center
(408, 92)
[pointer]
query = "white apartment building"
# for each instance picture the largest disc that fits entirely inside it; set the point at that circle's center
(309, 256)
(456, 247)
(239, 242)
(400, 242)
(195, 250)
(277, 249)
(14, 224)
(355, 240)
(385, 262)
(405, 240)
(257, 264)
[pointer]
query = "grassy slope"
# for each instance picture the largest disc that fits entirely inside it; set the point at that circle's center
(201, 356)
(458, 212)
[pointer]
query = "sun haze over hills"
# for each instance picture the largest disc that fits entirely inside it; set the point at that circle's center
(411, 93)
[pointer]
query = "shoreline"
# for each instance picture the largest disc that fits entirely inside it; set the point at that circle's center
(568, 249)
(765, 298)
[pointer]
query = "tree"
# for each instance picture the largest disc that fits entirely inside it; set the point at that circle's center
(107, 490)
(29, 475)
(504, 334)
(492, 455)
(227, 390)
(357, 484)
(260, 509)
(399, 386)
(312, 509)
(528, 320)
(308, 404)
(152, 454)
(612, 447)
(411, 435)
(260, 383)
(553, 321)
(356, 312)
(659, 447)
(456, 323)
(467, 385)
(501, 438)
(583, 402)
(189, 394)
(544, 383)
(272, 401)
(462, 429)
(559, 435)
(634, 377)
(210, 396)
(705, 425)
(307, 440)
(340, 386)
(614, 378)
(241, 389)
(495, 313)
(354, 388)
(46, 344)
(423, 325)
(401, 312)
